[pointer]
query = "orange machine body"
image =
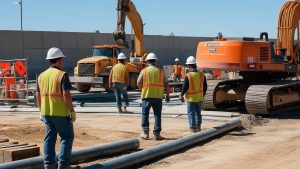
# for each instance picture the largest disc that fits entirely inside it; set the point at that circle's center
(242, 55)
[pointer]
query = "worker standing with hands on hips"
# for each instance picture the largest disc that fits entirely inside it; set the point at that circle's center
(194, 88)
(152, 83)
(176, 71)
(118, 79)
(57, 112)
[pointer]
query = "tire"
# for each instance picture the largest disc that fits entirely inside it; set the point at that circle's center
(132, 81)
(83, 87)
(106, 85)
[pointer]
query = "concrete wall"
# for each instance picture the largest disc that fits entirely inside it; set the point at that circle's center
(77, 45)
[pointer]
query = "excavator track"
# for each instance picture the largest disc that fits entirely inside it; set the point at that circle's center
(208, 102)
(224, 94)
(265, 98)
(257, 98)
(272, 98)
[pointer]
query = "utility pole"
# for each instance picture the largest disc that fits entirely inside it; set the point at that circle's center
(19, 2)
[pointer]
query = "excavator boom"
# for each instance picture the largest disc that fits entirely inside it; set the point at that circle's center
(288, 25)
(127, 9)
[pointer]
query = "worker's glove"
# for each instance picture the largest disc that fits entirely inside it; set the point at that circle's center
(73, 116)
(167, 99)
(41, 118)
(111, 86)
(181, 98)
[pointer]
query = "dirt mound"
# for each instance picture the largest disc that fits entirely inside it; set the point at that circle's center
(250, 120)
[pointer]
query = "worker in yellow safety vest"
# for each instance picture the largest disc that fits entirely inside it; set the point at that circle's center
(194, 88)
(176, 71)
(152, 82)
(57, 112)
(118, 81)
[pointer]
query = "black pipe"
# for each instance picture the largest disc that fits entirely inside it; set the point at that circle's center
(80, 154)
(138, 158)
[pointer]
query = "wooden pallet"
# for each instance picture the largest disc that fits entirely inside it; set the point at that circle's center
(12, 151)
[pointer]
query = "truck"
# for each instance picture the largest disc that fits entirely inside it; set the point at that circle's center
(94, 71)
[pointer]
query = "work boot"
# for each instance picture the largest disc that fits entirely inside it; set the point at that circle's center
(145, 134)
(120, 110)
(157, 136)
(198, 129)
(125, 110)
(191, 131)
(70, 167)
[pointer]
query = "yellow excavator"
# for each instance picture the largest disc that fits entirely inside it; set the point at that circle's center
(94, 71)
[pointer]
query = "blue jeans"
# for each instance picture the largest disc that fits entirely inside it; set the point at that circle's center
(64, 127)
(121, 88)
(156, 105)
(176, 78)
(194, 114)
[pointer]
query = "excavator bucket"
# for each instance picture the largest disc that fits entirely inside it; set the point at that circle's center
(120, 38)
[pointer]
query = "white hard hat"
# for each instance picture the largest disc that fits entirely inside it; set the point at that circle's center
(190, 60)
(176, 60)
(151, 56)
(54, 53)
(121, 56)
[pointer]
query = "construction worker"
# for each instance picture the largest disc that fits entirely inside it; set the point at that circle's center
(57, 112)
(194, 88)
(177, 71)
(118, 79)
(152, 83)
(217, 74)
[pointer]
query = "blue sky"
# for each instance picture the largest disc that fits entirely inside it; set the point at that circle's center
(235, 18)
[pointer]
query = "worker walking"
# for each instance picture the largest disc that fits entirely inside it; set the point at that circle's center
(152, 83)
(57, 112)
(118, 80)
(194, 88)
(176, 71)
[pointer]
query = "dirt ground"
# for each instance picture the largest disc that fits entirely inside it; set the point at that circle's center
(275, 144)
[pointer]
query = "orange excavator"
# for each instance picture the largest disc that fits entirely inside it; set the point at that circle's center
(269, 72)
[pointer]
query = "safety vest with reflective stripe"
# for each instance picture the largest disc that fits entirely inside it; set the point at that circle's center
(52, 102)
(195, 90)
(119, 73)
(177, 69)
(153, 83)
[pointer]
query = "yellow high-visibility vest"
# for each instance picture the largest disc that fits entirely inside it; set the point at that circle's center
(153, 83)
(52, 101)
(119, 73)
(195, 90)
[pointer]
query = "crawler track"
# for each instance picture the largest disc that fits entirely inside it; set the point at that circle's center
(208, 102)
(266, 98)
(272, 98)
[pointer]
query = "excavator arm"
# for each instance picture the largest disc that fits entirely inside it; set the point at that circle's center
(288, 25)
(127, 8)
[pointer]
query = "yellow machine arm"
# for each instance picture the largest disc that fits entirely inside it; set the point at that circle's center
(127, 8)
(288, 25)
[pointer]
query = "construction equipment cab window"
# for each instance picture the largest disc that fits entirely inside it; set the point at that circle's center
(106, 52)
